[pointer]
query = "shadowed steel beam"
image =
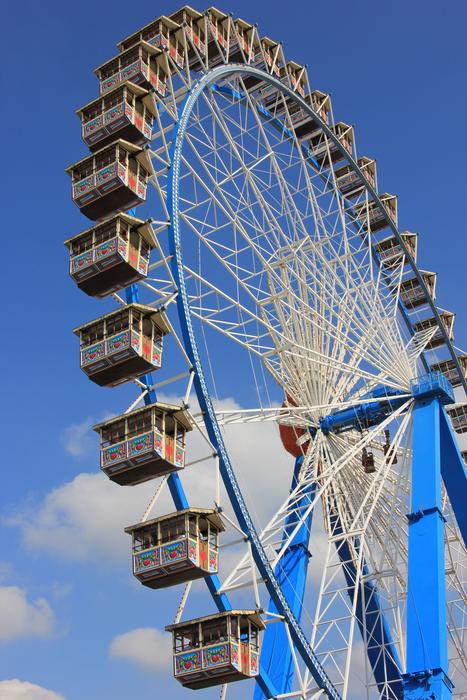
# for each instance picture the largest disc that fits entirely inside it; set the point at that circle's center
(291, 573)
(454, 474)
(427, 644)
(375, 632)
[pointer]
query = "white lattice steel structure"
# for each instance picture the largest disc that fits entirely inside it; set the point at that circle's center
(274, 244)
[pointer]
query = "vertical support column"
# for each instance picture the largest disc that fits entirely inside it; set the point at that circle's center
(427, 653)
(454, 474)
(291, 573)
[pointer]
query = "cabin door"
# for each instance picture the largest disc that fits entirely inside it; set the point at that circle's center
(203, 554)
(133, 256)
(245, 656)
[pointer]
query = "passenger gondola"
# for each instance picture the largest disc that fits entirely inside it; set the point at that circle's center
(111, 180)
(111, 255)
(216, 649)
(144, 444)
(123, 344)
(176, 548)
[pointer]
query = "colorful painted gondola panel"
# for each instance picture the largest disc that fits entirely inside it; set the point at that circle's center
(215, 656)
(140, 444)
(188, 662)
(171, 553)
(144, 561)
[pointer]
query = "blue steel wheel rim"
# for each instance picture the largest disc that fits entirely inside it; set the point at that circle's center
(210, 419)
(428, 403)
(191, 347)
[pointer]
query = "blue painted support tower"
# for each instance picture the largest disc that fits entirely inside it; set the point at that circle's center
(291, 573)
(454, 474)
(434, 452)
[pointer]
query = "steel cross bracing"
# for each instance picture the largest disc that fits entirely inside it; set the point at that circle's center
(228, 70)
(268, 329)
(350, 532)
(416, 345)
(214, 433)
(359, 227)
(371, 611)
(306, 351)
(374, 630)
(307, 477)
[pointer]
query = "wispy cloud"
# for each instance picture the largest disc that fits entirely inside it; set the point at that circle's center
(146, 647)
(21, 618)
(82, 519)
(78, 438)
(23, 690)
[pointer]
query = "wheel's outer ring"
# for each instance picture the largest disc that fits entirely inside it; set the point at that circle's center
(210, 420)
(212, 427)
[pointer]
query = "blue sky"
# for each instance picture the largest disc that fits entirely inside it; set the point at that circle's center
(395, 70)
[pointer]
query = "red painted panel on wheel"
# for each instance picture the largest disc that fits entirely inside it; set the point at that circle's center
(289, 435)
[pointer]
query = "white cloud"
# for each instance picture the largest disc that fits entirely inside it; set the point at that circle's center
(23, 690)
(77, 438)
(145, 647)
(84, 518)
(20, 618)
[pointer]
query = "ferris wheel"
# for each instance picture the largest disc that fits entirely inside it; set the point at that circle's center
(266, 266)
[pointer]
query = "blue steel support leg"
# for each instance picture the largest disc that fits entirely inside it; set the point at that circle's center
(427, 646)
(454, 473)
(180, 500)
(380, 649)
(291, 573)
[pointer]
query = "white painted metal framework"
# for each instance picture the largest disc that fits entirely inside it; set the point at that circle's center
(295, 294)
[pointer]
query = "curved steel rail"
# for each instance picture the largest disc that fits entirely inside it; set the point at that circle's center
(212, 426)
(210, 419)
(229, 69)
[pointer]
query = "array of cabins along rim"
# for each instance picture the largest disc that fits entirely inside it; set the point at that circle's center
(125, 344)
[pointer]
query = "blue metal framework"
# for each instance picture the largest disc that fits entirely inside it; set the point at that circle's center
(290, 577)
(227, 472)
(435, 455)
(291, 573)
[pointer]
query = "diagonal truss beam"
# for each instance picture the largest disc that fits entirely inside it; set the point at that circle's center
(374, 629)
(228, 475)
(291, 573)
